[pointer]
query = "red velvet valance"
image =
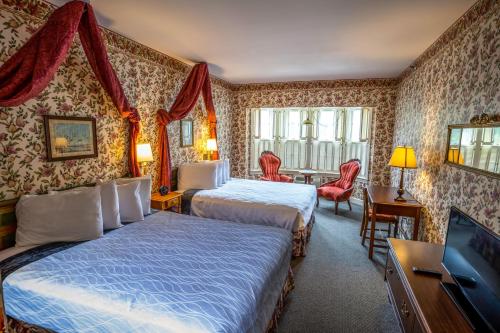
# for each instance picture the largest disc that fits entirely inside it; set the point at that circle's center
(33, 66)
(197, 81)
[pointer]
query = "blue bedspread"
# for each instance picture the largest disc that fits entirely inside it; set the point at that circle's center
(170, 273)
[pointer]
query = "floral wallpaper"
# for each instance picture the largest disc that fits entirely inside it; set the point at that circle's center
(379, 94)
(457, 78)
(150, 79)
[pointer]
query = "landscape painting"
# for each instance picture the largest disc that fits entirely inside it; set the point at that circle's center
(70, 137)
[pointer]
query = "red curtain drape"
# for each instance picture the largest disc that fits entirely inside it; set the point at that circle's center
(26, 73)
(197, 82)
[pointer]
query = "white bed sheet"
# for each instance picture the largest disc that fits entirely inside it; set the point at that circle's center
(284, 205)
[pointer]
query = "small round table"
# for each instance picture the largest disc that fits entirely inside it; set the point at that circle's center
(307, 173)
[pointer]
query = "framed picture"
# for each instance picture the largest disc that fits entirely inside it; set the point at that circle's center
(186, 133)
(70, 138)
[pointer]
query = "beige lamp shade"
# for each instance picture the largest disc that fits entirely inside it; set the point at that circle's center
(61, 142)
(144, 153)
(403, 157)
(211, 145)
(455, 156)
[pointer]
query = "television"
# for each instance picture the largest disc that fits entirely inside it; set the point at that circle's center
(472, 258)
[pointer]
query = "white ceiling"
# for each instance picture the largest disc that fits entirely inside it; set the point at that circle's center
(284, 40)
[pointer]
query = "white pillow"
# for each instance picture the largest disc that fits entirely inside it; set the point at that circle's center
(145, 190)
(201, 176)
(227, 170)
(110, 205)
(130, 202)
(220, 171)
(66, 217)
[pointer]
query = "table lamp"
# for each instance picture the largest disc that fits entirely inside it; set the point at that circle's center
(403, 157)
(211, 147)
(61, 144)
(144, 155)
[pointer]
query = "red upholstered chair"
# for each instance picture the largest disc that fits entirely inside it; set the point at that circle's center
(270, 164)
(341, 189)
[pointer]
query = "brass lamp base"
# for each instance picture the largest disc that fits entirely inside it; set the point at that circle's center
(401, 189)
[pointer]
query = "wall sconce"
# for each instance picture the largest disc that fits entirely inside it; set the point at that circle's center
(144, 155)
(211, 147)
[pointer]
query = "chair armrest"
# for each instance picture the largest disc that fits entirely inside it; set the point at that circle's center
(264, 178)
(285, 178)
(330, 183)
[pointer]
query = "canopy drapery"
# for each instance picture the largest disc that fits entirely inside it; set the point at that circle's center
(197, 81)
(27, 72)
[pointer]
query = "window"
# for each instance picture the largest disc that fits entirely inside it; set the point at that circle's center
(335, 136)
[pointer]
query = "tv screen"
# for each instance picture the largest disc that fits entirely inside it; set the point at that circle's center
(472, 257)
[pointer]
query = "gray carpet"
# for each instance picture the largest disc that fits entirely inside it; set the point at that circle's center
(337, 288)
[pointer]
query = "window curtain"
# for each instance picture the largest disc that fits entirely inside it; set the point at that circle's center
(26, 73)
(197, 82)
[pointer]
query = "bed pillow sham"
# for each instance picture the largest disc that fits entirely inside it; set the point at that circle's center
(227, 170)
(220, 171)
(202, 176)
(130, 202)
(109, 203)
(144, 190)
(66, 217)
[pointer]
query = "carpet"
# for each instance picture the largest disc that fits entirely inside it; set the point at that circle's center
(337, 288)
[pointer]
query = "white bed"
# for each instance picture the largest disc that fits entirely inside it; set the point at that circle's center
(285, 205)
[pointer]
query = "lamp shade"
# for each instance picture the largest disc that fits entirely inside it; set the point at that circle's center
(403, 157)
(455, 156)
(211, 145)
(144, 153)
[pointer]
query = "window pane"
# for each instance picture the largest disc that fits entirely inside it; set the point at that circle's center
(266, 123)
(293, 129)
(326, 125)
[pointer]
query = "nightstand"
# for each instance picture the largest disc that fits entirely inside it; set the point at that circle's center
(171, 201)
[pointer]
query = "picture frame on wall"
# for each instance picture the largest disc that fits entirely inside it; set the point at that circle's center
(187, 138)
(70, 138)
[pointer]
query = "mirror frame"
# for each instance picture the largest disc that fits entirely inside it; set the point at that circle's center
(466, 167)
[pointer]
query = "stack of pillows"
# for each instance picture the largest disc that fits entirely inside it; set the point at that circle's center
(206, 175)
(81, 213)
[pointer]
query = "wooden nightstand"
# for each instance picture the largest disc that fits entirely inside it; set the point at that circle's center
(167, 202)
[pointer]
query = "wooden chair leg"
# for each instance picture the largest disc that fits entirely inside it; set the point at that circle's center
(349, 203)
(336, 208)
(372, 231)
(317, 201)
(396, 227)
(365, 230)
(363, 221)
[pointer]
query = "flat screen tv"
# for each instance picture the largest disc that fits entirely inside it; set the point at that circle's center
(472, 258)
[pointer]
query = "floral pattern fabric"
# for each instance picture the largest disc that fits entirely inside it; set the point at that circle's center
(450, 85)
(150, 80)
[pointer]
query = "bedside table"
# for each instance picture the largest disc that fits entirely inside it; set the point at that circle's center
(167, 202)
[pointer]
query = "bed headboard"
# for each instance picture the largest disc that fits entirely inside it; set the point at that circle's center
(7, 223)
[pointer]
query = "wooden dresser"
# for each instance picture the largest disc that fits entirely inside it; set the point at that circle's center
(420, 303)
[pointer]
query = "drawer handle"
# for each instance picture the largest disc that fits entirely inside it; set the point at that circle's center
(390, 270)
(404, 309)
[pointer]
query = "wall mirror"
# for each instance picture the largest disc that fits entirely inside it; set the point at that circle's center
(187, 139)
(475, 148)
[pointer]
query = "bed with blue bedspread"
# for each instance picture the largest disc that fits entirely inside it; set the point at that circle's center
(169, 273)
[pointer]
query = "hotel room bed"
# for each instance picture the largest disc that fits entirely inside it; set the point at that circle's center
(169, 273)
(285, 205)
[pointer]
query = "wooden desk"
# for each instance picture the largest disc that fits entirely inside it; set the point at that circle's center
(382, 201)
(419, 301)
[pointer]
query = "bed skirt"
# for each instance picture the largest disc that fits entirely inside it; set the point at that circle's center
(301, 238)
(17, 326)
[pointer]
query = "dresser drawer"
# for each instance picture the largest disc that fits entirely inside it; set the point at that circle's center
(400, 299)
